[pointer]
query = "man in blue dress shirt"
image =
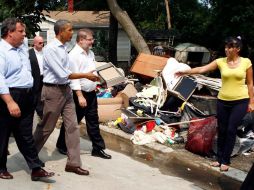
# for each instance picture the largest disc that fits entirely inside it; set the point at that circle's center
(57, 96)
(84, 94)
(16, 112)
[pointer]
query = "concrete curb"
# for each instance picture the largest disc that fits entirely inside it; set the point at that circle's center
(187, 158)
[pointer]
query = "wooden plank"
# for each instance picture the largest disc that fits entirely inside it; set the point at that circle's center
(185, 122)
(146, 65)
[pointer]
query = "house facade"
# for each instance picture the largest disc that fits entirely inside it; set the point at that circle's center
(98, 21)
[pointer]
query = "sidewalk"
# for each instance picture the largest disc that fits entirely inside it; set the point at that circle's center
(119, 173)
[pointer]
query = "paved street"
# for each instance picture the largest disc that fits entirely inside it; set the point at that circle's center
(120, 173)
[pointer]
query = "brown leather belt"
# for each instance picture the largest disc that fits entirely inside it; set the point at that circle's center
(58, 85)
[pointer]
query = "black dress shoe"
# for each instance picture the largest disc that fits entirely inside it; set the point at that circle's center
(101, 154)
(62, 151)
(40, 173)
(6, 175)
(76, 170)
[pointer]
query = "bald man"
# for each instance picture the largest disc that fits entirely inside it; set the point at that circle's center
(36, 60)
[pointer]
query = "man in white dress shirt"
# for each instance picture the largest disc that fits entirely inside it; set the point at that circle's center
(82, 60)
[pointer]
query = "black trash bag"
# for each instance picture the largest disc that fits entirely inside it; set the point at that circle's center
(247, 125)
(190, 111)
(170, 117)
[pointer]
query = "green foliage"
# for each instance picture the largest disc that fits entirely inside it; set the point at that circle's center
(209, 22)
(232, 18)
(30, 11)
(100, 47)
(191, 19)
(206, 22)
(146, 14)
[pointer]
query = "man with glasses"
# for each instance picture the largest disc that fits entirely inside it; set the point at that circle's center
(82, 58)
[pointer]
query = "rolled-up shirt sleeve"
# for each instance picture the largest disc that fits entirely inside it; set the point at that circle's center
(75, 83)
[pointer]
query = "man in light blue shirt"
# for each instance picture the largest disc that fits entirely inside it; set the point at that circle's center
(16, 111)
(15, 69)
(57, 96)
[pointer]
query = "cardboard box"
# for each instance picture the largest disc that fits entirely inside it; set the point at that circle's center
(109, 74)
(148, 65)
(110, 108)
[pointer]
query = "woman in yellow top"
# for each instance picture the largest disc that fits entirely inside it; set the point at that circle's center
(234, 99)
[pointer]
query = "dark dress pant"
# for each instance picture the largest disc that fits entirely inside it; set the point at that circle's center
(21, 128)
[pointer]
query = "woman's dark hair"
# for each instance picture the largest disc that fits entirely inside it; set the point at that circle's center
(234, 42)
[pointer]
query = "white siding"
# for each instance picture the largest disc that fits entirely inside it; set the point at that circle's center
(123, 47)
(49, 27)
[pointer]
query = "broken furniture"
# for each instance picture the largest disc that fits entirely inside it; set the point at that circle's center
(109, 74)
(147, 65)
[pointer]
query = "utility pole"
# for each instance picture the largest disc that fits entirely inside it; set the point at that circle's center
(168, 14)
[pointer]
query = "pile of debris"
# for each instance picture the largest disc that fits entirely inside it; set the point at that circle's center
(168, 109)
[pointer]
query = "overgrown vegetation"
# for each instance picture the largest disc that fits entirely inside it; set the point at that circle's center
(205, 22)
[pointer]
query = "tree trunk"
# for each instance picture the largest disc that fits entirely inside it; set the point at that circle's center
(112, 42)
(122, 17)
